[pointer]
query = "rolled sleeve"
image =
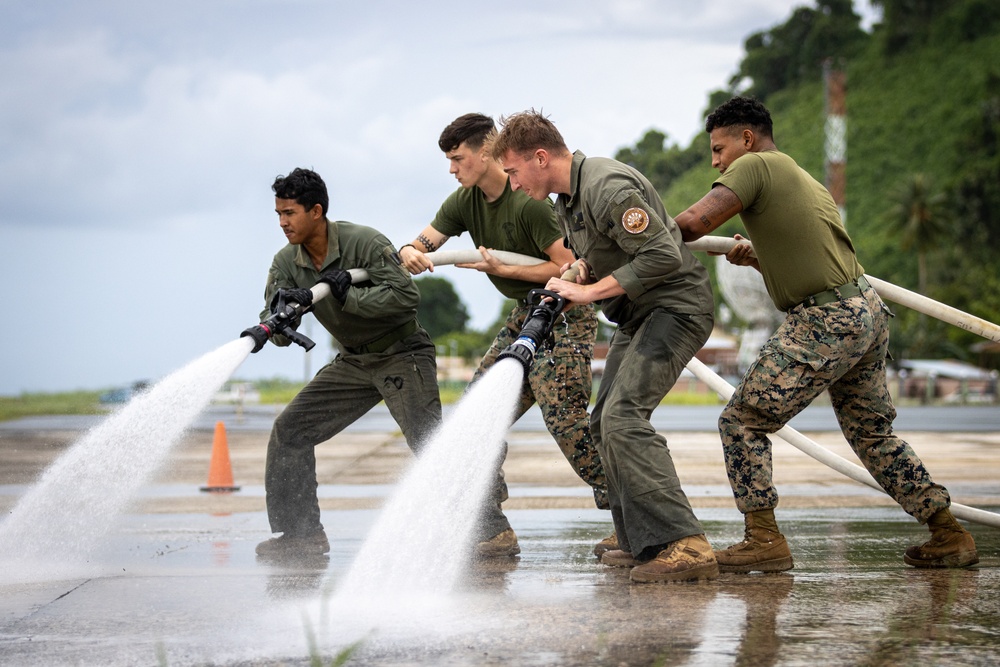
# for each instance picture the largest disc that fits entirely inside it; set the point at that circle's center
(630, 281)
(653, 254)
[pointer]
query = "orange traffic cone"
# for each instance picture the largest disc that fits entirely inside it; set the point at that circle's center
(220, 472)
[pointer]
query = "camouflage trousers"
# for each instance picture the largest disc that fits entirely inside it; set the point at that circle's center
(559, 381)
(840, 347)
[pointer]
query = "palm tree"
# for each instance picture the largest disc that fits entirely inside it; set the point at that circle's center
(920, 217)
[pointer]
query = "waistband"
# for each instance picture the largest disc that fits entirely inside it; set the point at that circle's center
(388, 340)
(837, 293)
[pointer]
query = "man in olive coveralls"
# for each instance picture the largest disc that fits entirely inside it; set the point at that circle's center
(835, 338)
(498, 218)
(384, 353)
(659, 294)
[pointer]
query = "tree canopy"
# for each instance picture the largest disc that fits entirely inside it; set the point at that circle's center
(930, 106)
(795, 51)
(441, 311)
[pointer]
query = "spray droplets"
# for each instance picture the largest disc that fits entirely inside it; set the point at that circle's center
(66, 515)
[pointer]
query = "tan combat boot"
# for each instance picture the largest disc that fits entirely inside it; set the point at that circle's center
(763, 548)
(950, 544)
(687, 559)
(500, 545)
(618, 558)
(607, 544)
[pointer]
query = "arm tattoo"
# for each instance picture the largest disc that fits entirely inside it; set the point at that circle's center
(430, 245)
(718, 206)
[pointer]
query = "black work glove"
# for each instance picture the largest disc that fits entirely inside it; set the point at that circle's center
(339, 281)
(285, 295)
(260, 337)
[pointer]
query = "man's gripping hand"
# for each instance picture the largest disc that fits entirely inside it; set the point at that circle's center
(285, 295)
(339, 281)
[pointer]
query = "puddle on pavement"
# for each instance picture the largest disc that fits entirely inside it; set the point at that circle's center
(189, 589)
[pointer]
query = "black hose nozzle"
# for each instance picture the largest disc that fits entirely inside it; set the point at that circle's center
(260, 335)
(283, 320)
(537, 327)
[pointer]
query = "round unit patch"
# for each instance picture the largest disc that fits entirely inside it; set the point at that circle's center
(635, 220)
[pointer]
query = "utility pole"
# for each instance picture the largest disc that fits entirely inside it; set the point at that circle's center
(836, 133)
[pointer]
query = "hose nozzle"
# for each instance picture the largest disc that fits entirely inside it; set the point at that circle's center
(537, 327)
(285, 316)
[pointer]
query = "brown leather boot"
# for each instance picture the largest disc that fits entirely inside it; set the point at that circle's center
(763, 548)
(618, 558)
(606, 545)
(499, 546)
(687, 559)
(950, 544)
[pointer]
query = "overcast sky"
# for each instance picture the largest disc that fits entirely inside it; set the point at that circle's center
(139, 141)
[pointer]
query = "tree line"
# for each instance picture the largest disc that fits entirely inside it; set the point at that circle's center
(923, 167)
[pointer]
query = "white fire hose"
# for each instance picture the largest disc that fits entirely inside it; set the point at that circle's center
(888, 291)
(719, 385)
(440, 258)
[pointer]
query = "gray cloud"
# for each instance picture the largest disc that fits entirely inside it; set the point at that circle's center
(138, 142)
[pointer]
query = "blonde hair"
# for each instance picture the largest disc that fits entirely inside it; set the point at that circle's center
(523, 133)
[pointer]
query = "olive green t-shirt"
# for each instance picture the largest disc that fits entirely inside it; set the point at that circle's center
(794, 225)
(514, 222)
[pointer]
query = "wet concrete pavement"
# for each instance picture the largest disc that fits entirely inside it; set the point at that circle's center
(177, 582)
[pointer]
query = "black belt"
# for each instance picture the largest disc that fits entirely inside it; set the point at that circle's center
(385, 342)
(837, 293)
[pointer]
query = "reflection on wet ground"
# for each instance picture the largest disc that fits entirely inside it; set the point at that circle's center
(187, 590)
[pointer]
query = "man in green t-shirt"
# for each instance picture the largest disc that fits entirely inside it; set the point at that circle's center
(560, 378)
(835, 338)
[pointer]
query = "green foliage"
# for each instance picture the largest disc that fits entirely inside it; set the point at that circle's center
(691, 186)
(917, 214)
(794, 52)
(657, 162)
(440, 311)
(977, 183)
(932, 107)
(921, 113)
(470, 345)
(65, 403)
(277, 391)
(910, 24)
(505, 308)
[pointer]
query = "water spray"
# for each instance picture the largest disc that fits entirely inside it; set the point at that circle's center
(537, 326)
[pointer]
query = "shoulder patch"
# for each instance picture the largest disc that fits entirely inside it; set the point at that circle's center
(635, 220)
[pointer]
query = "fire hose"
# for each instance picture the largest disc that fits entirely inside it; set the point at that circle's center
(889, 291)
(545, 312)
(285, 315)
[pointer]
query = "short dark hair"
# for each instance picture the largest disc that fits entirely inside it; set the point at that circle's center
(304, 186)
(472, 128)
(741, 112)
